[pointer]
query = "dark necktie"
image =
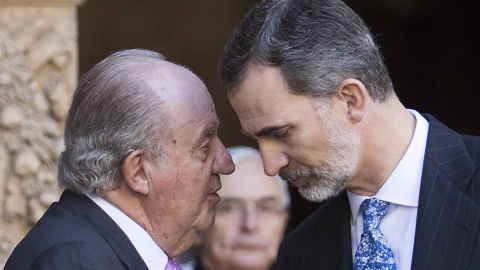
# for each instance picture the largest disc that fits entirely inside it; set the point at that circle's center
(373, 252)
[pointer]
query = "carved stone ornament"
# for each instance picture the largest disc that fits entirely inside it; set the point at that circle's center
(44, 3)
(38, 73)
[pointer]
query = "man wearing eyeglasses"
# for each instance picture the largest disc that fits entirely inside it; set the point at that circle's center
(250, 219)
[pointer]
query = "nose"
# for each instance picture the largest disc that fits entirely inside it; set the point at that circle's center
(249, 219)
(223, 163)
(273, 158)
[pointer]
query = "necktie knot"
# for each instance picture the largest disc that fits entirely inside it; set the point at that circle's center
(373, 210)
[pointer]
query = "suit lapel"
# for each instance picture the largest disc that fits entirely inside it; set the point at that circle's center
(118, 240)
(448, 219)
(322, 241)
(345, 235)
(333, 236)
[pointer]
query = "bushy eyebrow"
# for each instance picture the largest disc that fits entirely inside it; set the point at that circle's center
(212, 129)
(268, 131)
(231, 200)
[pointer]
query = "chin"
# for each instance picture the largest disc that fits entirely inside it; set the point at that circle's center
(207, 218)
(252, 265)
(251, 260)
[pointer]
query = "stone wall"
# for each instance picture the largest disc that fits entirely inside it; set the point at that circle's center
(38, 72)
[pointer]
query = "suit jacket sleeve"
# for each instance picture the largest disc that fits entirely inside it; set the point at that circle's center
(75, 233)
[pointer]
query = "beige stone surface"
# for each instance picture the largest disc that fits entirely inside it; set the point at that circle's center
(38, 73)
(54, 3)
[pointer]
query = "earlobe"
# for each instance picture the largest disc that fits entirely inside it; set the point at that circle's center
(354, 94)
(134, 173)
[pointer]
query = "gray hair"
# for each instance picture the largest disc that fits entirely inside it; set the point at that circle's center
(113, 110)
(241, 153)
(316, 44)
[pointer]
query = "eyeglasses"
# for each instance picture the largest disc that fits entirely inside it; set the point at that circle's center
(236, 208)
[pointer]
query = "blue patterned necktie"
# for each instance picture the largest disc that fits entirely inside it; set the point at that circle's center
(373, 252)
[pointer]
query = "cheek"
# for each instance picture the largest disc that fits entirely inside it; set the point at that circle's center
(199, 169)
(188, 190)
(193, 178)
(274, 232)
(308, 154)
(201, 155)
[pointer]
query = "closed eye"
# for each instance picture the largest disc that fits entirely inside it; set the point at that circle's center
(206, 146)
(277, 132)
(283, 134)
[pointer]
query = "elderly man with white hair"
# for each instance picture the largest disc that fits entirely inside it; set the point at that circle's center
(250, 219)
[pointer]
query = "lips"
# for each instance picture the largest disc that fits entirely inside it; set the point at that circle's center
(289, 177)
(295, 176)
(213, 194)
(251, 245)
(217, 187)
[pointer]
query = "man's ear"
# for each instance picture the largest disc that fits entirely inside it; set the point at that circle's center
(134, 173)
(354, 94)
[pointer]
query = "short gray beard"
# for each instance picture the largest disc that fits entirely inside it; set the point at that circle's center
(330, 178)
(321, 185)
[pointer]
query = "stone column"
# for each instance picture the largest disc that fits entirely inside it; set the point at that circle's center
(38, 72)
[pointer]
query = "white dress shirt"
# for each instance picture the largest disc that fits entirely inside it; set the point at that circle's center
(402, 190)
(153, 256)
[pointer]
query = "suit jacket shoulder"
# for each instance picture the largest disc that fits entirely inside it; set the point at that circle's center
(447, 231)
(75, 233)
(449, 203)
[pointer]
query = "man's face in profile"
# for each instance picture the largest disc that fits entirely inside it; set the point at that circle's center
(301, 138)
(184, 186)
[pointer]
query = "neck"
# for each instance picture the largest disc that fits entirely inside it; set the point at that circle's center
(128, 202)
(386, 134)
(172, 240)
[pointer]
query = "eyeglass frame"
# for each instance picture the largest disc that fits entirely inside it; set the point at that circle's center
(264, 207)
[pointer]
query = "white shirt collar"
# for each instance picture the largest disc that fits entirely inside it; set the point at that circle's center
(153, 256)
(403, 185)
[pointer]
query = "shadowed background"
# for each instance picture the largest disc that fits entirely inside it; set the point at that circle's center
(432, 49)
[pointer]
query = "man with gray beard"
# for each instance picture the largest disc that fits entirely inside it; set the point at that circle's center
(308, 82)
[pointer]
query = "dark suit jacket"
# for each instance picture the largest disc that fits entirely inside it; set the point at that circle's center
(447, 230)
(75, 233)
